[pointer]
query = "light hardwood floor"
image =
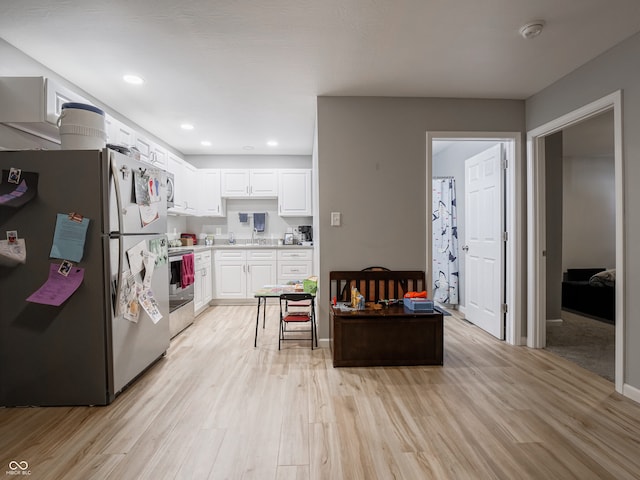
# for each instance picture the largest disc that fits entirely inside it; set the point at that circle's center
(217, 408)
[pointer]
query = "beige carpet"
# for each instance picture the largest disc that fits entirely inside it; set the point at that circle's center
(587, 342)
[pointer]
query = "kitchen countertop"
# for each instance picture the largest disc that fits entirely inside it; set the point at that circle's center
(242, 246)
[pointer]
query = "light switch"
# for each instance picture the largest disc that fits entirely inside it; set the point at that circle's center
(335, 219)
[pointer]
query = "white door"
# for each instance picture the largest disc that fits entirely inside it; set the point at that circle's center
(484, 244)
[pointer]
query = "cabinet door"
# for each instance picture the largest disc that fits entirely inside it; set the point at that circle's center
(198, 301)
(263, 183)
(191, 189)
(294, 193)
(231, 279)
(158, 156)
(207, 284)
(234, 182)
(261, 269)
(260, 273)
(176, 166)
(57, 95)
(211, 203)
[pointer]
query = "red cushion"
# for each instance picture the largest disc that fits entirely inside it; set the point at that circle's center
(299, 303)
(297, 317)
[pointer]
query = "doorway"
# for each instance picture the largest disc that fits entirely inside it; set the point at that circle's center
(537, 261)
(446, 155)
(580, 221)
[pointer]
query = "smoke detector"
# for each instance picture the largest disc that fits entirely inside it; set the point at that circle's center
(532, 29)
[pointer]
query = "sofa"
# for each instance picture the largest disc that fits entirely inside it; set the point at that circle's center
(590, 292)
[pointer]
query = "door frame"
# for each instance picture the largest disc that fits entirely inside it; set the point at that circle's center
(536, 223)
(513, 280)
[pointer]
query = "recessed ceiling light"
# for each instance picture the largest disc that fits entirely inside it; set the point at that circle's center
(248, 147)
(133, 79)
(186, 126)
(205, 143)
(272, 143)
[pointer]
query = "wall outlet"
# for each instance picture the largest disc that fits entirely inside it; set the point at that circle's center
(335, 219)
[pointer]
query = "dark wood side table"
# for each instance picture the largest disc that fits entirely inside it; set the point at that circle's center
(387, 337)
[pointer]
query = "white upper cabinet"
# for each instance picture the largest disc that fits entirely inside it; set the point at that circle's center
(144, 148)
(186, 197)
(118, 133)
(243, 183)
(294, 194)
(176, 166)
(191, 189)
(33, 104)
(211, 202)
(235, 182)
(263, 183)
(158, 156)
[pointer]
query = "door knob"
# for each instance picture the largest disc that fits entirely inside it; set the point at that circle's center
(465, 248)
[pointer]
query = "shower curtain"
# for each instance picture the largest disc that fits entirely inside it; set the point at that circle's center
(445, 241)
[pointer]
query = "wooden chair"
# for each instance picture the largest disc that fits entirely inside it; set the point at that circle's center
(289, 315)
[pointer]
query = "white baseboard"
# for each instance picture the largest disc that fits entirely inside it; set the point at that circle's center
(631, 392)
(324, 343)
(554, 321)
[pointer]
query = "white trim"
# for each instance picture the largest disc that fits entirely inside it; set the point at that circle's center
(536, 226)
(514, 223)
(631, 392)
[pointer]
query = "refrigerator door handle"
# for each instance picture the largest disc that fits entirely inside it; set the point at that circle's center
(119, 277)
(116, 184)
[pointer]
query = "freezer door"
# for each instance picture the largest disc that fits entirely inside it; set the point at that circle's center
(54, 355)
(137, 198)
(135, 345)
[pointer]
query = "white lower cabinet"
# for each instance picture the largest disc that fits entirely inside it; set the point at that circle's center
(239, 273)
(203, 284)
(294, 265)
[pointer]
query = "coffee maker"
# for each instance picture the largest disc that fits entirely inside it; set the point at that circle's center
(306, 234)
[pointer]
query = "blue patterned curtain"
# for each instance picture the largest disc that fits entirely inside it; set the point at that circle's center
(445, 241)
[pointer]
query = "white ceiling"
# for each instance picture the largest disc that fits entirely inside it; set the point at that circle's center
(244, 72)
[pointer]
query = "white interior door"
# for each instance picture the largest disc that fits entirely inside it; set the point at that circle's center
(484, 244)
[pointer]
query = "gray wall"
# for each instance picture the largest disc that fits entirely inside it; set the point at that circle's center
(589, 210)
(553, 199)
(616, 69)
(372, 168)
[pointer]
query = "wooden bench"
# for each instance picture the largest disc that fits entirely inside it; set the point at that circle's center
(385, 336)
(375, 283)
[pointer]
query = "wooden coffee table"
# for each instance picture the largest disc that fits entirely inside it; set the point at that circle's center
(389, 336)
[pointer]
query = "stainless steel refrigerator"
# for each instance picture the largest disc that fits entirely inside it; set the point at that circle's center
(83, 352)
